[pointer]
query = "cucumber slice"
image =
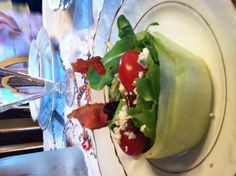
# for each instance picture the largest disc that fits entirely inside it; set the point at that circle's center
(185, 100)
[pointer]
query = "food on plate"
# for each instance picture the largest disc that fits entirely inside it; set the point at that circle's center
(82, 66)
(91, 116)
(164, 93)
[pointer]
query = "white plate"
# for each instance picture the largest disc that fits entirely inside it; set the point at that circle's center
(206, 29)
(187, 24)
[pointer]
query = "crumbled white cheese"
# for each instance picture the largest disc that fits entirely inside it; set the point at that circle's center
(126, 149)
(122, 118)
(116, 123)
(140, 74)
(117, 137)
(135, 91)
(129, 117)
(142, 57)
(124, 108)
(116, 129)
(131, 135)
(127, 133)
(116, 134)
(142, 128)
(121, 121)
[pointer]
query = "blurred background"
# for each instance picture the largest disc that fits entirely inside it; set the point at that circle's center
(20, 21)
(34, 5)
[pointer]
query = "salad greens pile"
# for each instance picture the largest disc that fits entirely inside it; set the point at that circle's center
(145, 111)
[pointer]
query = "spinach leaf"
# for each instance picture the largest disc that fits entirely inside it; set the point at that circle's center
(147, 117)
(148, 89)
(124, 27)
(97, 81)
(111, 62)
(112, 57)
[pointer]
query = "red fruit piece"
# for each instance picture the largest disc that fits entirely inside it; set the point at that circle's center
(136, 144)
(129, 69)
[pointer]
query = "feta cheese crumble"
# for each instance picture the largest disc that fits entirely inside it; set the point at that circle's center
(140, 74)
(142, 128)
(135, 91)
(142, 58)
(116, 134)
(130, 135)
(126, 149)
(121, 121)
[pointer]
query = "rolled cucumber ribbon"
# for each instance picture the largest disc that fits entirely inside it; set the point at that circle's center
(185, 99)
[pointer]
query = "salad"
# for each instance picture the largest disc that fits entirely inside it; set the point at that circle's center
(160, 93)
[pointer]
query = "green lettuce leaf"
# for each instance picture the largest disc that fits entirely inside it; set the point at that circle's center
(124, 27)
(112, 124)
(97, 81)
(110, 61)
(147, 117)
(145, 111)
(112, 57)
